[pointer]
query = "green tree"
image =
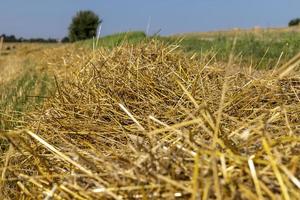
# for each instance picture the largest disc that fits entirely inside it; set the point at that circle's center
(65, 40)
(84, 25)
(294, 22)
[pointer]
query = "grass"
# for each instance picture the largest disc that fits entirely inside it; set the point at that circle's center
(22, 94)
(117, 39)
(261, 51)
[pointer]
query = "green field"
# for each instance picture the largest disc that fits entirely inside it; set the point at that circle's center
(262, 51)
(23, 86)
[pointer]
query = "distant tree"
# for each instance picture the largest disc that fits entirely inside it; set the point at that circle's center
(9, 38)
(84, 26)
(12, 38)
(51, 40)
(65, 40)
(294, 22)
(21, 39)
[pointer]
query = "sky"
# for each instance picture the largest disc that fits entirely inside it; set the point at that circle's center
(51, 18)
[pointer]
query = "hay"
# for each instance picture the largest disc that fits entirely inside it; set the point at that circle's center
(141, 122)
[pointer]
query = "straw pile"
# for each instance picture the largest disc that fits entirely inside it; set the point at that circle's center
(148, 122)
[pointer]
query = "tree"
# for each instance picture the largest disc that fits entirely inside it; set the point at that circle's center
(84, 25)
(294, 22)
(65, 40)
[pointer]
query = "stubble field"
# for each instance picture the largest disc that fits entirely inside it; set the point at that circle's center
(136, 117)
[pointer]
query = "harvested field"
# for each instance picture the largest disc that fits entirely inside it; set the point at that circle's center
(148, 122)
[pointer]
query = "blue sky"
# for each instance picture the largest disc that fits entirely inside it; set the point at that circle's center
(51, 18)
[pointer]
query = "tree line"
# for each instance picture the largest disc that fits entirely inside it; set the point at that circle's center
(13, 38)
